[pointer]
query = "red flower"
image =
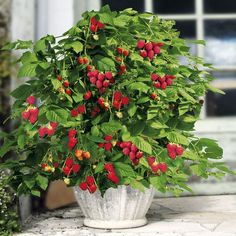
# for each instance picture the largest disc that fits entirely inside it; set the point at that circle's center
(33, 115)
(109, 167)
(153, 96)
(53, 124)
(50, 131)
(151, 160)
(66, 83)
(81, 109)
(108, 146)
(93, 28)
(108, 138)
(43, 165)
(108, 75)
(113, 177)
(66, 170)
(100, 25)
(25, 114)
(41, 132)
(74, 113)
(69, 162)
(125, 100)
(92, 188)
(125, 53)
(119, 50)
(117, 105)
(59, 78)
(76, 168)
(117, 95)
(56, 164)
(83, 186)
(93, 21)
(87, 95)
(71, 143)
(31, 100)
(90, 180)
(140, 44)
(163, 167)
(72, 133)
(179, 150)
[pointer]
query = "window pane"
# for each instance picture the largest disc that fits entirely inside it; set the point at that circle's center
(226, 6)
(222, 105)
(221, 42)
(187, 28)
(119, 5)
(173, 6)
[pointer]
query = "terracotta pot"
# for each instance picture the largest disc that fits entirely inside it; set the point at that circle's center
(123, 207)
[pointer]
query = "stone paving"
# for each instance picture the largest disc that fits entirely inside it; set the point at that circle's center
(185, 216)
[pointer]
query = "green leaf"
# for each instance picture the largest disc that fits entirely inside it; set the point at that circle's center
(59, 115)
(27, 70)
(6, 147)
(198, 170)
(156, 182)
(99, 168)
(56, 84)
(199, 41)
(132, 109)
(157, 125)
(28, 57)
(95, 139)
(142, 144)
(125, 170)
(151, 113)
(95, 131)
(117, 156)
(78, 97)
(42, 182)
(21, 141)
(19, 44)
(77, 46)
(178, 138)
(104, 63)
(209, 148)
(106, 18)
(29, 181)
(22, 92)
(137, 185)
(140, 86)
(111, 127)
(186, 95)
(35, 193)
(183, 108)
(144, 162)
(215, 90)
(143, 100)
(136, 127)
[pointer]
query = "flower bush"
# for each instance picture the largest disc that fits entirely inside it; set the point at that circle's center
(110, 103)
(9, 221)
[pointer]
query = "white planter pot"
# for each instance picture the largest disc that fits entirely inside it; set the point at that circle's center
(123, 207)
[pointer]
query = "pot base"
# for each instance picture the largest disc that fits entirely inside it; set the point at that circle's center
(115, 224)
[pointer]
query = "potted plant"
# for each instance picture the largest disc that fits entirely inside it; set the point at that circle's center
(110, 109)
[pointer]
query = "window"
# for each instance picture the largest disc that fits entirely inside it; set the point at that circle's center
(118, 5)
(212, 20)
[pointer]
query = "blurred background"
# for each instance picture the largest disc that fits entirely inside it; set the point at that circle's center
(211, 20)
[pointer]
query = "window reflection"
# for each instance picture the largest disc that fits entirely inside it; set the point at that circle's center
(214, 6)
(221, 42)
(173, 6)
(119, 5)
